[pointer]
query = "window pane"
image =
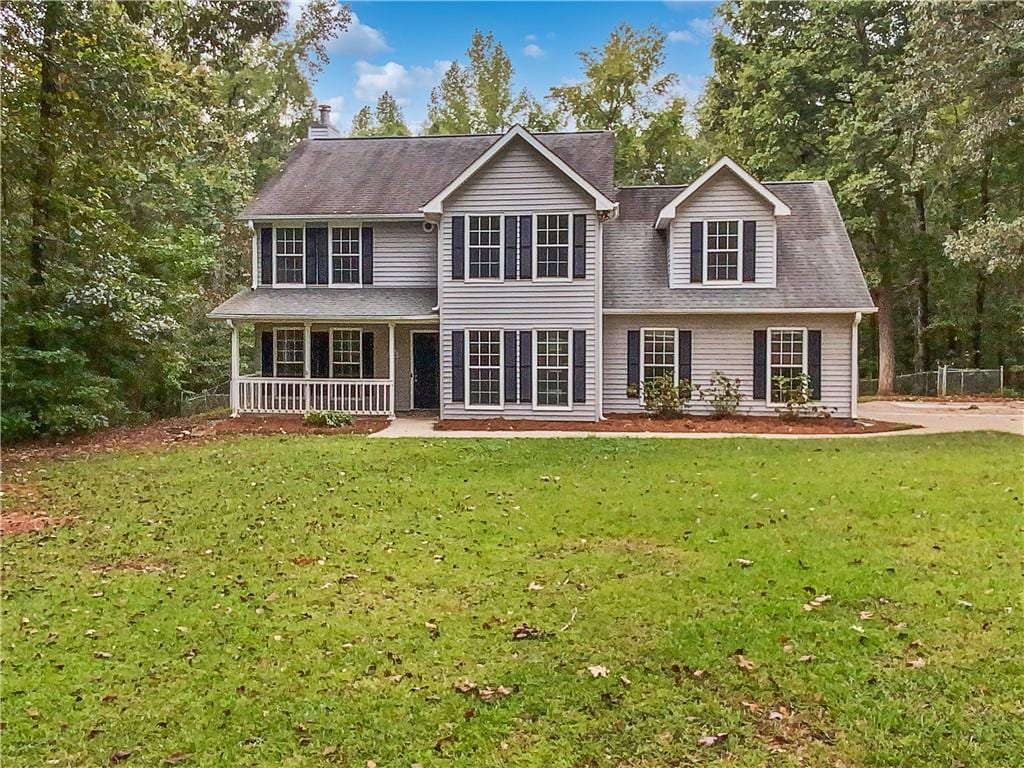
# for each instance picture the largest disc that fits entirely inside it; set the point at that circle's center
(289, 356)
(485, 246)
(552, 361)
(345, 254)
(553, 245)
(723, 252)
(786, 360)
(659, 358)
(347, 353)
(289, 249)
(485, 367)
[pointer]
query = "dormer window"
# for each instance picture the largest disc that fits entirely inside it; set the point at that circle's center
(484, 247)
(289, 256)
(722, 246)
(345, 256)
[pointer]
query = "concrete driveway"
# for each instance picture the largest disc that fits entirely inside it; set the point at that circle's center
(935, 417)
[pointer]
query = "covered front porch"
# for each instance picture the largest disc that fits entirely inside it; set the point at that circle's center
(370, 364)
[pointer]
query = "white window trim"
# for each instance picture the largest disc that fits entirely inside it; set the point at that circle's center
(331, 226)
(330, 352)
(768, 361)
(568, 266)
(302, 256)
(501, 250)
(501, 367)
(739, 254)
(675, 356)
(533, 365)
(300, 329)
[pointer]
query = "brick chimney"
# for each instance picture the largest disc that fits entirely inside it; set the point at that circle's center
(322, 128)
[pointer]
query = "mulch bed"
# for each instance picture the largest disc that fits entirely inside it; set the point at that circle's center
(620, 422)
(24, 506)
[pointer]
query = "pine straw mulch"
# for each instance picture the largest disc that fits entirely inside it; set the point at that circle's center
(25, 506)
(620, 422)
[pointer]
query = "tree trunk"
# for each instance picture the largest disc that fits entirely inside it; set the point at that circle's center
(922, 361)
(886, 339)
(46, 150)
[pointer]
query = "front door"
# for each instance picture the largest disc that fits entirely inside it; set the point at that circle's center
(426, 371)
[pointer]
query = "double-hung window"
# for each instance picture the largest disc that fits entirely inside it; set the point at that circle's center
(659, 353)
(484, 370)
(289, 255)
(289, 352)
(484, 247)
(788, 359)
(723, 251)
(345, 255)
(346, 353)
(552, 365)
(553, 245)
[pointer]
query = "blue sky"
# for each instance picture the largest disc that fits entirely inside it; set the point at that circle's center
(405, 47)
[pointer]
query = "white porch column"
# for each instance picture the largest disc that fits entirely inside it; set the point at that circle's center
(234, 368)
(391, 368)
(307, 364)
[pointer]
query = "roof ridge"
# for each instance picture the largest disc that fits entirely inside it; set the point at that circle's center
(455, 136)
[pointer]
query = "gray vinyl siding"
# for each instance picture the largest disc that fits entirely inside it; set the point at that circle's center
(519, 181)
(726, 343)
(723, 197)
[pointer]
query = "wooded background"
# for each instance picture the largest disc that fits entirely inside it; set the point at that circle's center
(134, 132)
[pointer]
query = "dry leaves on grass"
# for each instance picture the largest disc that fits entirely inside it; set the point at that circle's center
(533, 586)
(917, 662)
(526, 632)
(817, 602)
(712, 739)
(469, 688)
(598, 671)
(744, 663)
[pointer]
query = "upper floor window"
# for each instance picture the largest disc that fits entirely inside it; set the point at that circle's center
(552, 245)
(788, 360)
(289, 253)
(659, 353)
(723, 251)
(346, 353)
(484, 247)
(345, 255)
(484, 369)
(552, 366)
(289, 351)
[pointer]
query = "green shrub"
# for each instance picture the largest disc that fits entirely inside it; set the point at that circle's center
(328, 419)
(723, 393)
(664, 398)
(798, 396)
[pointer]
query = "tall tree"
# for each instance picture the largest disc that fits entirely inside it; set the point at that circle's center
(389, 118)
(625, 90)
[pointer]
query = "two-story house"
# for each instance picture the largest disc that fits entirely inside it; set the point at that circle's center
(482, 276)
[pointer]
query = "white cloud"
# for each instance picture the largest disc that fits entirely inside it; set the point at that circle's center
(400, 81)
(533, 50)
(699, 29)
(358, 40)
(531, 38)
(681, 36)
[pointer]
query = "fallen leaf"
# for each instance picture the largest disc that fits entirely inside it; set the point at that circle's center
(866, 615)
(775, 715)
(625, 681)
(525, 632)
(744, 563)
(917, 662)
(712, 740)
(329, 750)
(121, 755)
(807, 658)
(465, 686)
(857, 628)
(817, 602)
(432, 628)
(177, 758)
(103, 655)
(598, 671)
(533, 586)
(744, 663)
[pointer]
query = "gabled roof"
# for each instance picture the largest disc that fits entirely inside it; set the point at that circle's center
(436, 204)
(399, 175)
(668, 212)
(817, 267)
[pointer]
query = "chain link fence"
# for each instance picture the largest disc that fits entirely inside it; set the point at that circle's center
(217, 396)
(944, 381)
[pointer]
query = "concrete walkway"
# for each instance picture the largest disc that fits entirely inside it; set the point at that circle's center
(933, 418)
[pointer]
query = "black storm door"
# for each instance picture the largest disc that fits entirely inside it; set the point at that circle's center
(426, 372)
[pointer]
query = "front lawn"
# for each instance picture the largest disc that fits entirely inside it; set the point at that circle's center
(308, 601)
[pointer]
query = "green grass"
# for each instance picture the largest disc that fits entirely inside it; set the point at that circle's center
(237, 655)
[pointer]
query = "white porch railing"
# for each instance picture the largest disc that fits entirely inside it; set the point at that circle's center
(360, 397)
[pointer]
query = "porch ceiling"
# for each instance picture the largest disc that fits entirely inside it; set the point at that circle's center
(320, 304)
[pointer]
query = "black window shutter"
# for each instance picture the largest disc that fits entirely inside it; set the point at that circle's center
(458, 365)
(367, 235)
(696, 251)
(323, 275)
(320, 354)
(310, 256)
(686, 356)
(266, 255)
(267, 353)
(749, 251)
(526, 366)
(760, 365)
(632, 363)
(814, 363)
(458, 250)
(367, 354)
(579, 366)
(525, 247)
(510, 366)
(511, 227)
(579, 245)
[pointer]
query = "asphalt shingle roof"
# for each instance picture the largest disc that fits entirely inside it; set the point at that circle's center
(367, 302)
(400, 174)
(816, 263)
